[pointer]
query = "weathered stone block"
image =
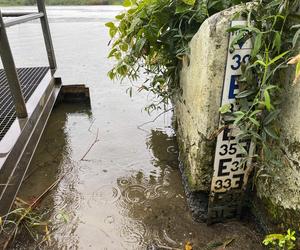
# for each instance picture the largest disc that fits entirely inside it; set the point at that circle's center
(278, 191)
(277, 202)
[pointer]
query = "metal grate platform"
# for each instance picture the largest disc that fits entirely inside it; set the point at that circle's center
(30, 78)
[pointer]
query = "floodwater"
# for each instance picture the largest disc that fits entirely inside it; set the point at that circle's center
(126, 193)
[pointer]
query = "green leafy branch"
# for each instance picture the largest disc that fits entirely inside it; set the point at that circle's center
(151, 38)
(274, 39)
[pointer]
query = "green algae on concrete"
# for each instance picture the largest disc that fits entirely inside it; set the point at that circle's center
(278, 188)
(277, 204)
(197, 180)
(273, 217)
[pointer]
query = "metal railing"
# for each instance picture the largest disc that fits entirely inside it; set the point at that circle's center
(6, 53)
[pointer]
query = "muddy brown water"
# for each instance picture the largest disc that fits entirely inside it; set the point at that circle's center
(127, 193)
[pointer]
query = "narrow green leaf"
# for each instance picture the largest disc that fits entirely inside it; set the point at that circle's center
(295, 38)
(260, 62)
(245, 93)
(239, 113)
(140, 44)
(267, 100)
(182, 8)
(278, 57)
(277, 41)
(271, 87)
(257, 45)
(255, 112)
(255, 135)
(236, 27)
(271, 117)
(270, 132)
(189, 2)
(253, 29)
(273, 4)
(254, 121)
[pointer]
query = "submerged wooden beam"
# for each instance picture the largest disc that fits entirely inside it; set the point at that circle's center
(74, 93)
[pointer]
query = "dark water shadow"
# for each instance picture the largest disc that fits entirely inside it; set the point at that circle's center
(52, 153)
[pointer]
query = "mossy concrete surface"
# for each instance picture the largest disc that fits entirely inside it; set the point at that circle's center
(278, 188)
(278, 192)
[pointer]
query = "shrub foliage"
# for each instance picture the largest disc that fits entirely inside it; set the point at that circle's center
(151, 38)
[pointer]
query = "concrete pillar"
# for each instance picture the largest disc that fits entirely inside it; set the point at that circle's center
(277, 198)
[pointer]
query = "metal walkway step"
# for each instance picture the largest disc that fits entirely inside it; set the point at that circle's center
(20, 136)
